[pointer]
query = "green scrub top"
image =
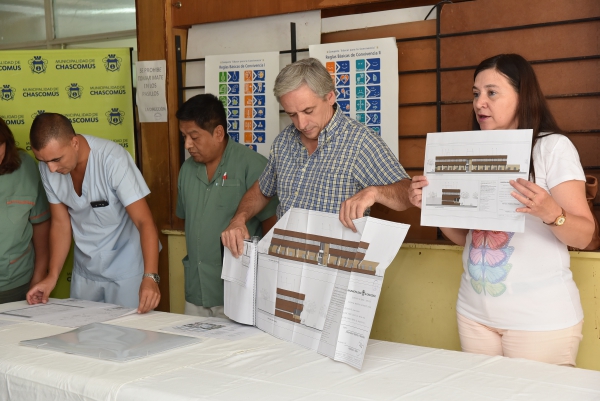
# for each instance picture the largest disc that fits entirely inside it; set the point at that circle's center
(22, 203)
(207, 207)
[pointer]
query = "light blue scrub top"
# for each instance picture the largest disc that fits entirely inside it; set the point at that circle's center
(107, 243)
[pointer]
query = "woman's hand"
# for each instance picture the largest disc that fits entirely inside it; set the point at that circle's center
(415, 190)
(537, 201)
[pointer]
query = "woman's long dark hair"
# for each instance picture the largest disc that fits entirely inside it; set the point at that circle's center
(12, 160)
(532, 110)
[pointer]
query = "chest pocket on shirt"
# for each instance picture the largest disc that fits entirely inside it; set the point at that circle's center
(107, 216)
(229, 195)
(18, 208)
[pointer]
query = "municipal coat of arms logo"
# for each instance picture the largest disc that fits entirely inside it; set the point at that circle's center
(112, 63)
(115, 116)
(37, 113)
(8, 92)
(74, 91)
(38, 64)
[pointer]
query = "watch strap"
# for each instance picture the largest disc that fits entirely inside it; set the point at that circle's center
(556, 221)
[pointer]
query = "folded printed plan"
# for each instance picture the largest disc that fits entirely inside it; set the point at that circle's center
(313, 281)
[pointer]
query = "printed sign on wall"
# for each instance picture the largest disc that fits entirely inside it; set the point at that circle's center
(91, 87)
(365, 74)
(244, 83)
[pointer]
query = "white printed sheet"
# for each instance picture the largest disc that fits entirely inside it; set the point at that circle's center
(469, 174)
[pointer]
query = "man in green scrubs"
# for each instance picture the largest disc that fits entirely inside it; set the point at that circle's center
(211, 184)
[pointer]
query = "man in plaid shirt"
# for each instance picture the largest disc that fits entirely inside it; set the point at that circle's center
(324, 161)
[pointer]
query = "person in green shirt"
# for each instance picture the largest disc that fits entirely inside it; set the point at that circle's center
(24, 220)
(211, 184)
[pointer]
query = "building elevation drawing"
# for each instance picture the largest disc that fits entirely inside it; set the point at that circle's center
(318, 283)
(469, 174)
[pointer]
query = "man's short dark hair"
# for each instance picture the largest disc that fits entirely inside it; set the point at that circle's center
(205, 110)
(47, 127)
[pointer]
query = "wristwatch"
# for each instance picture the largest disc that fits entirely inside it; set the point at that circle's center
(153, 276)
(560, 220)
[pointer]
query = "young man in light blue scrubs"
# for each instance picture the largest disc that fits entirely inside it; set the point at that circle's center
(96, 195)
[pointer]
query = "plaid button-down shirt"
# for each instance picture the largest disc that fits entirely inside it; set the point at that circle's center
(348, 158)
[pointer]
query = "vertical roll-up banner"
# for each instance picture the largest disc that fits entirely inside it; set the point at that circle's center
(91, 87)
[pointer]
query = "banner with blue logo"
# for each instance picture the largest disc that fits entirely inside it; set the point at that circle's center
(91, 87)
(365, 74)
(244, 83)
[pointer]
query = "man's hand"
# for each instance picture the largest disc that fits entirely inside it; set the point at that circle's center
(354, 207)
(149, 295)
(234, 235)
(41, 291)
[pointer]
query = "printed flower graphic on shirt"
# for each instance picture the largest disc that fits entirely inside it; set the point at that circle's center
(488, 261)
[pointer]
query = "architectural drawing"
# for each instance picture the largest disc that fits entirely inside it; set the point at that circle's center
(318, 283)
(469, 177)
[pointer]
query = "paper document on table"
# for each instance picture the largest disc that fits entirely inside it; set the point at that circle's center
(113, 343)
(68, 312)
(318, 282)
(469, 174)
(213, 327)
(239, 286)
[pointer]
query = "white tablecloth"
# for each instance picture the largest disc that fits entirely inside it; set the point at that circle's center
(265, 368)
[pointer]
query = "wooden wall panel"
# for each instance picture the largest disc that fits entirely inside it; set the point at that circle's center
(416, 55)
(416, 120)
(576, 113)
(588, 146)
(457, 117)
(490, 14)
(572, 40)
(457, 85)
(194, 12)
(155, 146)
(406, 30)
(412, 152)
(417, 88)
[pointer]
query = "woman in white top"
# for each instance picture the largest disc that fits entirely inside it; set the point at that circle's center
(517, 296)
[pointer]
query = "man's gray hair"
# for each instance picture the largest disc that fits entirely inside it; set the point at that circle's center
(308, 72)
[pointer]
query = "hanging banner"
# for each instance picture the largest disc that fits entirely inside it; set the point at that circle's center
(365, 74)
(244, 83)
(91, 87)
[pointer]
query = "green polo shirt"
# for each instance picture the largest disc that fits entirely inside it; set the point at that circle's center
(22, 203)
(207, 207)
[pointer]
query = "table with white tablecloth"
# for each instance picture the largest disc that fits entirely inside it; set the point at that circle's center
(265, 368)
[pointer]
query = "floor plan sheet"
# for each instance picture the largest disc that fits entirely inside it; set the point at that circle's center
(318, 283)
(469, 174)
